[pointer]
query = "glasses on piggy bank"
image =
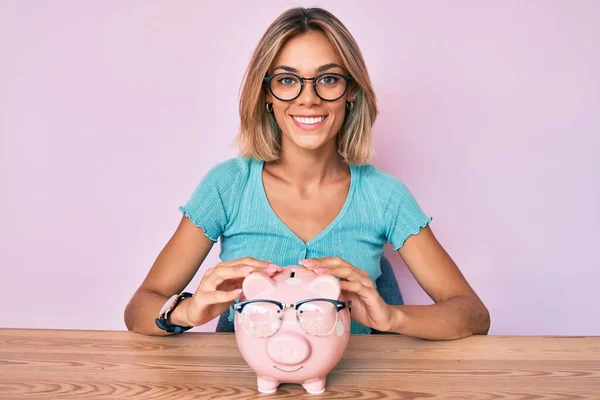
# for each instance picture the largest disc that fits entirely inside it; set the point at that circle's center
(317, 317)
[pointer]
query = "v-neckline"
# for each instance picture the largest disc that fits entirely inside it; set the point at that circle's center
(325, 231)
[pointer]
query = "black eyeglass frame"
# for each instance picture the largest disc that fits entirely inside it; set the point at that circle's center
(339, 306)
(314, 80)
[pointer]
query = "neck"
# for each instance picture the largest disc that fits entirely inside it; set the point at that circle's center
(306, 169)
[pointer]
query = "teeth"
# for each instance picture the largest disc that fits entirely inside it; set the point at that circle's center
(309, 121)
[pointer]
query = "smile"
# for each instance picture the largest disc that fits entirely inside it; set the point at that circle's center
(309, 123)
(282, 370)
(309, 120)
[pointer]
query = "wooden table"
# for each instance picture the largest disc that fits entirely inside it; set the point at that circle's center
(40, 364)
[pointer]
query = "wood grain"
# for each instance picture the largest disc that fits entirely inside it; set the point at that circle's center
(40, 364)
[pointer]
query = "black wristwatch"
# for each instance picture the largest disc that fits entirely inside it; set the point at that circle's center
(166, 312)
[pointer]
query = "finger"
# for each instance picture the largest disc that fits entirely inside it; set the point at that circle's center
(324, 262)
(237, 283)
(328, 263)
(337, 266)
(219, 296)
(347, 273)
(314, 264)
(231, 285)
(270, 270)
(353, 287)
(249, 261)
(333, 262)
(356, 288)
(216, 276)
(367, 295)
(259, 266)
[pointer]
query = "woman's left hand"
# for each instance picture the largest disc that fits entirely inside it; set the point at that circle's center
(368, 307)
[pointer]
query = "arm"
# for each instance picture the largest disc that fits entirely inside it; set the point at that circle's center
(458, 312)
(172, 271)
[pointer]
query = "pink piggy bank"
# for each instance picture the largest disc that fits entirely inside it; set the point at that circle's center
(292, 328)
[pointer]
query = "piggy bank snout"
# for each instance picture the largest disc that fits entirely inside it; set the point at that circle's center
(288, 349)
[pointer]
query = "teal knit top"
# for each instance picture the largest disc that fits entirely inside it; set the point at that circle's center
(230, 203)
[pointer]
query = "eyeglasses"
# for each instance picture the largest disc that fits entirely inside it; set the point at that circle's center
(317, 317)
(287, 86)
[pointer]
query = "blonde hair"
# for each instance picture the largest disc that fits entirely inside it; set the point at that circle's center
(259, 136)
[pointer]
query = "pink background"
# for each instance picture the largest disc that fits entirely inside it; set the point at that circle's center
(111, 112)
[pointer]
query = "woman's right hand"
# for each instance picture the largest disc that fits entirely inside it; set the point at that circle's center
(217, 290)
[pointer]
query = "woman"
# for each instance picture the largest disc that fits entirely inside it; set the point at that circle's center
(302, 192)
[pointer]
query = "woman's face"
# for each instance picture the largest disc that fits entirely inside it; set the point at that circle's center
(308, 122)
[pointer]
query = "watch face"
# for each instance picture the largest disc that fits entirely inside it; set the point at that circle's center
(168, 304)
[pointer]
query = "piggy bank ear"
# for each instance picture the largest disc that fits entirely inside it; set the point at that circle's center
(325, 286)
(255, 284)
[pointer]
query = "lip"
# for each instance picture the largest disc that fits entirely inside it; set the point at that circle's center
(283, 370)
(309, 127)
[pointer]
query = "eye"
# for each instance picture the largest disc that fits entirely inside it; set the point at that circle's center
(287, 80)
(328, 80)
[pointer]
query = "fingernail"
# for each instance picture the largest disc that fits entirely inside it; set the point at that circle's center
(247, 270)
(269, 270)
(307, 263)
(237, 292)
(320, 270)
(275, 266)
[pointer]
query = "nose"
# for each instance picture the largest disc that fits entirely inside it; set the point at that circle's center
(288, 349)
(308, 96)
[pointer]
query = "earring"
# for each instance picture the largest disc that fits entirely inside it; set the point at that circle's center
(269, 110)
(349, 105)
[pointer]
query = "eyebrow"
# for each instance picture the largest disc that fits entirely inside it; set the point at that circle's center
(322, 68)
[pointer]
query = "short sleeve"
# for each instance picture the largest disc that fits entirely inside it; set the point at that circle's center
(402, 214)
(209, 205)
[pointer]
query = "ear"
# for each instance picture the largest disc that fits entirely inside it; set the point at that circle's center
(352, 92)
(255, 284)
(268, 96)
(326, 286)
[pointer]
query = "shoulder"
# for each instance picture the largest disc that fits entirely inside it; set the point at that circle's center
(400, 211)
(232, 168)
(213, 202)
(379, 181)
(225, 179)
(388, 191)
(229, 173)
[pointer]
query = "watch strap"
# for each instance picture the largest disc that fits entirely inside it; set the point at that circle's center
(162, 319)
